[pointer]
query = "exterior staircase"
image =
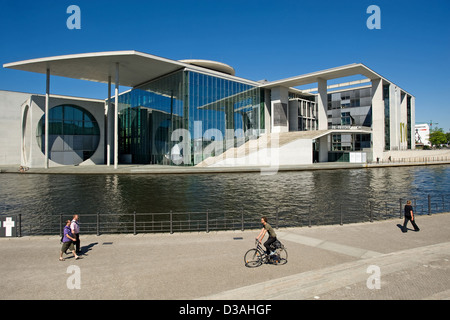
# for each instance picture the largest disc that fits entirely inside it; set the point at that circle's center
(270, 140)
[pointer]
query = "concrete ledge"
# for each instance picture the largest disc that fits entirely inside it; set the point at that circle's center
(157, 169)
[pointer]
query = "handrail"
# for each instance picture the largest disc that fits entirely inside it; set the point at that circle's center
(213, 220)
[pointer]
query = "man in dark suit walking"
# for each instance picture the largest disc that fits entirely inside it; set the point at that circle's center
(409, 216)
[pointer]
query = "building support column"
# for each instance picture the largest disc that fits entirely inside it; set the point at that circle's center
(378, 119)
(322, 104)
(116, 120)
(47, 104)
(267, 112)
(394, 116)
(413, 122)
(107, 122)
(280, 109)
(403, 121)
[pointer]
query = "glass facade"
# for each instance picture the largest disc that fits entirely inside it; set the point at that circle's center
(303, 114)
(344, 143)
(186, 117)
(387, 118)
(74, 134)
(341, 142)
(350, 108)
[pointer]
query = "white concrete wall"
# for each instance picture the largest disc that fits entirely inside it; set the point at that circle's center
(322, 104)
(377, 119)
(297, 152)
(324, 147)
(280, 95)
(10, 126)
(31, 154)
(32, 110)
(395, 116)
(417, 155)
(413, 123)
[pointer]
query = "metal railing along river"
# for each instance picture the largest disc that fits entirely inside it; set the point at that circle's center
(305, 215)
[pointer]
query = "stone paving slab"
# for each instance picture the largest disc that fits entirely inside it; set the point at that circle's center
(336, 282)
(326, 262)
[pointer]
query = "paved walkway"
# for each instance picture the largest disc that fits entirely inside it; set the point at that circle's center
(166, 169)
(326, 262)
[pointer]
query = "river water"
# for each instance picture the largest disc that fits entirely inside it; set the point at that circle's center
(291, 193)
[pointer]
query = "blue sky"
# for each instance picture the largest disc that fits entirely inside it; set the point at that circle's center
(261, 39)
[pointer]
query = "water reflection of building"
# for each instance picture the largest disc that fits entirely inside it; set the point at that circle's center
(184, 112)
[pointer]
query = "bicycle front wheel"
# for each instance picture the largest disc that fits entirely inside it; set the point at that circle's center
(252, 258)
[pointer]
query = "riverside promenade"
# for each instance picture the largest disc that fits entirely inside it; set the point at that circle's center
(354, 261)
(167, 169)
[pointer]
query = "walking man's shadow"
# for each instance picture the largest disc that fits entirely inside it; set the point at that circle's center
(403, 229)
(85, 249)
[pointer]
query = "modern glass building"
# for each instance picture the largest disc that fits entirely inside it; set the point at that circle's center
(173, 118)
(197, 112)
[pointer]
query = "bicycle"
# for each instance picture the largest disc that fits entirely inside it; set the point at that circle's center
(257, 256)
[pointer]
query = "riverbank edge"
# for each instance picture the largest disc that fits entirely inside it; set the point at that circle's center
(224, 231)
(160, 169)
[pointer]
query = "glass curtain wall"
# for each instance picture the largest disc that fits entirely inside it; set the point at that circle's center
(186, 117)
(222, 113)
(147, 115)
(350, 108)
(387, 118)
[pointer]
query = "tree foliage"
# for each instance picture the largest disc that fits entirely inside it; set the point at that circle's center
(438, 137)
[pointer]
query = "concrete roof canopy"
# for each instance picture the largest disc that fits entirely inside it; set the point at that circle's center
(135, 67)
(328, 74)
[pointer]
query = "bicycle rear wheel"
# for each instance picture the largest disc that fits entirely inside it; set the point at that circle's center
(280, 256)
(252, 258)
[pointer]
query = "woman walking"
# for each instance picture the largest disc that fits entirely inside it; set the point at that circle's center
(68, 240)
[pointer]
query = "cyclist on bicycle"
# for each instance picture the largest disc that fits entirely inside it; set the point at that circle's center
(272, 235)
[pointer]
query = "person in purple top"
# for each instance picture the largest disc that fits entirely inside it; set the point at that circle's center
(67, 241)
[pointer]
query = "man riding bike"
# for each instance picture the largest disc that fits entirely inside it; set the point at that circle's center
(272, 235)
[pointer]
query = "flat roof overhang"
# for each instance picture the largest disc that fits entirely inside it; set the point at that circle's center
(135, 67)
(328, 74)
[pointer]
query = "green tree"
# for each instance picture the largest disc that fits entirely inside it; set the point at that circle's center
(438, 137)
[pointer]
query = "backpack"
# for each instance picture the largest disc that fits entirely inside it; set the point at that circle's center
(276, 245)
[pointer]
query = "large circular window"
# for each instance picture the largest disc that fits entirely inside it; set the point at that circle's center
(73, 134)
